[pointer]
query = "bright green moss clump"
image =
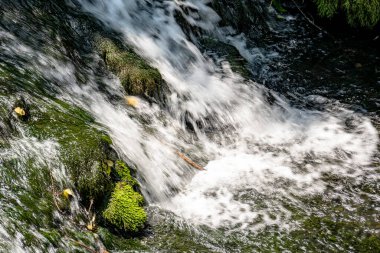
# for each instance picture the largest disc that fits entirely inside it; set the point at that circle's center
(125, 208)
(359, 12)
(124, 174)
(136, 76)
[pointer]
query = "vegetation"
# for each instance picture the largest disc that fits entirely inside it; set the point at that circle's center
(124, 174)
(364, 13)
(124, 210)
(136, 76)
(86, 153)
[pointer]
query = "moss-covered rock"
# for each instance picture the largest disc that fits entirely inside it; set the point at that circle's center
(136, 76)
(79, 146)
(82, 145)
(125, 210)
(120, 243)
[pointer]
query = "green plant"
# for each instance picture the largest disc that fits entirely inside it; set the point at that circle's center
(364, 13)
(124, 173)
(125, 209)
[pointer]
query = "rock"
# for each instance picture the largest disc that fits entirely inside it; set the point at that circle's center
(136, 75)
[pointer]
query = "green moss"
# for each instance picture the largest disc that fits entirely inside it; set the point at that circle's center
(125, 209)
(13, 80)
(124, 174)
(136, 76)
(364, 13)
(53, 236)
(107, 139)
(82, 145)
(118, 243)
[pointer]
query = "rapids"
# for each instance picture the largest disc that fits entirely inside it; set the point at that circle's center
(264, 158)
(254, 145)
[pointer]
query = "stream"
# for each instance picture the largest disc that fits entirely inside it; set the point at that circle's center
(284, 172)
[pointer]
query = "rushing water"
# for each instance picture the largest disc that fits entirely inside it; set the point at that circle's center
(254, 143)
(261, 155)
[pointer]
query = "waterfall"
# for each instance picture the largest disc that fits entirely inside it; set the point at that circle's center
(247, 143)
(263, 157)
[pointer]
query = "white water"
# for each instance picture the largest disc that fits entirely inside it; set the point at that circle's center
(255, 144)
(256, 147)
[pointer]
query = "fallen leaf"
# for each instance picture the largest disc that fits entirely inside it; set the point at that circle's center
(20, 111)
(67, 193)
(132, 101)
(91, 226)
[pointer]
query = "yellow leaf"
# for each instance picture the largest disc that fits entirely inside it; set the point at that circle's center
(132, 101)
(67, 193)
(20, 111)
(90, 227)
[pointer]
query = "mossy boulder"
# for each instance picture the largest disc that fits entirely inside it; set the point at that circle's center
(83, 145)
(136, 76)
(125, 210)
(79, 146)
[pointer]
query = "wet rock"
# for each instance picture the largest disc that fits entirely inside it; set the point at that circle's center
(136, 76)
